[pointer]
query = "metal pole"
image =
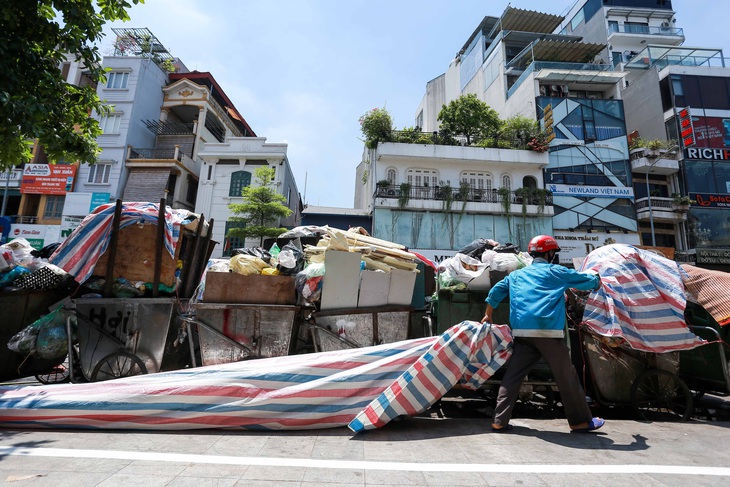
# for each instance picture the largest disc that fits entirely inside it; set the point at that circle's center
(5, 196)
(651, 213)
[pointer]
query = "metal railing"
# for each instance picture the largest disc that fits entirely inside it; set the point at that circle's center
(166, 154)
(645, 29)
(657, 203)
(443, 193)
(436, 138)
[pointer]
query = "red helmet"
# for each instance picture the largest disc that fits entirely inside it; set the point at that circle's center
(542, 243)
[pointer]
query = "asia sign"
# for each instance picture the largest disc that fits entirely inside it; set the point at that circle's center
(56, 179)
(591, 191)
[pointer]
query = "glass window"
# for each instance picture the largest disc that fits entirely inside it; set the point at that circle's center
(507, 182)
(698, 177)
(117, 80)
(391, 176)
(716, 88)
(99, 173)
(577, 19)
(239, 180)
(722, 177)
(54, 207)
(232, 242)
(109, 124)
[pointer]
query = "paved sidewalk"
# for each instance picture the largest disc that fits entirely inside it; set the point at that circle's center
(415, 452)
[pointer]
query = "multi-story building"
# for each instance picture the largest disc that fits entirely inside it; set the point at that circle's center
(436, 199)
(228, 167)
(522, 63)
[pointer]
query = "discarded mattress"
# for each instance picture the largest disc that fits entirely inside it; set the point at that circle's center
(641, 300)
(320, 390)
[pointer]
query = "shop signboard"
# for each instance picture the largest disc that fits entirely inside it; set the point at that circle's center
(55, 179)
(435, 256)
(578, 244)
(710, 200)
(591, 191)
(82, 204)
(34, 234)
(69, 224)
(713, 256)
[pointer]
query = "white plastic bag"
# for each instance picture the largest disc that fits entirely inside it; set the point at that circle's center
(468, 270)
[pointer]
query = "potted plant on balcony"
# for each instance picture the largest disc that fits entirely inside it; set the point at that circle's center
(680, 203)
(382, 187)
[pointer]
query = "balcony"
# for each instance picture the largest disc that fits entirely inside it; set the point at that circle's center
(662, 210)
(654, 161)
(566, 72)
(469, 199)
(162, 157)
(11, 178)
(666, 35)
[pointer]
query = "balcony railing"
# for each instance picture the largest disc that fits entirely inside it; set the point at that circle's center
(139, 153)
(645, 30)
(460, 194)
(538, 65)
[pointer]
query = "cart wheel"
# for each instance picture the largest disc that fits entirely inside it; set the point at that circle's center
(658, 395)
(57, 375)
(117, 365)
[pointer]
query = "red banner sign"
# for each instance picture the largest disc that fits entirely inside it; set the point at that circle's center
(55, 179)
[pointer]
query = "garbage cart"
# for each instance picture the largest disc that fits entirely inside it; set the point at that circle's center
(353, 328)
(120, 337)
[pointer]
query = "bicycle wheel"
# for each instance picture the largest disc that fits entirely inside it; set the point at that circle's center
(117, 365)
(658, 395)
(57, 375)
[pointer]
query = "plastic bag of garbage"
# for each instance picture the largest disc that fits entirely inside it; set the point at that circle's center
(291, 259)
(259, 252)
(468, 270)
(508, 248)
(308, 282)
(7, 278)
(52, 341)
(247, 264)
(477, 247)
(506, 262)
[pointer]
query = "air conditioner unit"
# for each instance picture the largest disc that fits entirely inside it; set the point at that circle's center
(666, 25)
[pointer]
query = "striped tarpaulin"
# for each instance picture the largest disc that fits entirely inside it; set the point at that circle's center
(641, 300)
(80, 252)
(319, 390)
(711, 290)
(465, 356)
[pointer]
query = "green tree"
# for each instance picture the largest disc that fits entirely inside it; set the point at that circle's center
(470, 117)
(377, 126)
(35, 101)
(520, 128)
(261, 209)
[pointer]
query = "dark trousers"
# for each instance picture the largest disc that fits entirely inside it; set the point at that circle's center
(526, 353)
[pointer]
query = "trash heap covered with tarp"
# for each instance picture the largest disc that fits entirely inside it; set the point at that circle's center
(641, 301)
(119, 251)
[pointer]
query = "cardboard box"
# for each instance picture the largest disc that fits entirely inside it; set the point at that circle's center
(230, 287)
(402, 283)
(374, 289)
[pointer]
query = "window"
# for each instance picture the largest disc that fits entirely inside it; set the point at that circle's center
(117, 80)
(507, 182)
(54, 207)
(231, 243)
(109, 124)
(239, 180)
(191, 193)
(391, 176)
(477, 180)
(422, 177)
(99, 173)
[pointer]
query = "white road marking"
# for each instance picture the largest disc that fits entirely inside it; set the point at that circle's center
(366, 465)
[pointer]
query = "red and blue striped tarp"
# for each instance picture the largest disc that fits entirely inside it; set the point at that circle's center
(641, 300)
(319, 390)
(80, 252)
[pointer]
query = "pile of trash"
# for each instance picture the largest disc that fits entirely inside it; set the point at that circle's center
(24, 268)
(476, 265)
(307, 262)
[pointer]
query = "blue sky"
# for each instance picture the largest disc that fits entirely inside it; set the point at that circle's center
(303, 71)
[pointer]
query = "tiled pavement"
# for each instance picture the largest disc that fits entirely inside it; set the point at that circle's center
(415, 452)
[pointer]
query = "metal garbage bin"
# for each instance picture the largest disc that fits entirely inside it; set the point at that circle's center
(115, 330)
(233, 332)
(343, 329)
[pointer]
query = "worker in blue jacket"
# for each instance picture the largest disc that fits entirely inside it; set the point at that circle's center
(537, 318)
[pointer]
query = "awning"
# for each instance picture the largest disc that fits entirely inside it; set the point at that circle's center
(528, 21)
(568, 51)
(563, 76)
(679, 56)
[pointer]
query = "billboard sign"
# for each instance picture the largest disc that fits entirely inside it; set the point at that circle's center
(55, 179)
